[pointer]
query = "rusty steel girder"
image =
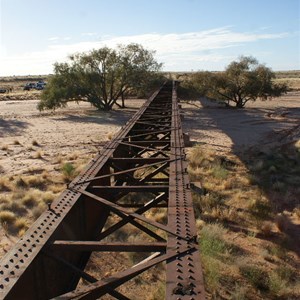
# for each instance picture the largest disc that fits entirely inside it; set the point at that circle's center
(146, 157)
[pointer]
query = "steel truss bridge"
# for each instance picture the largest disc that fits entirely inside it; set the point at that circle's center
(142, 168)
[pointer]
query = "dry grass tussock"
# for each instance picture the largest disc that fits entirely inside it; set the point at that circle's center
(244, 233)
(24, 198)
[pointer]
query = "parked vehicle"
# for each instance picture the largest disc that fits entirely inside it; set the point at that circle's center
(38, 86)
(29, 86)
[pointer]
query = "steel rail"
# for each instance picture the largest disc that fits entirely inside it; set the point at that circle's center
(143, 167)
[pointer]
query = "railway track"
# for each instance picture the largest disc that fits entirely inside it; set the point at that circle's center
(141, 169)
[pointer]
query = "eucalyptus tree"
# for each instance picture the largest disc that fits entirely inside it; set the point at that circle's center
(242, 81)
(100, 77)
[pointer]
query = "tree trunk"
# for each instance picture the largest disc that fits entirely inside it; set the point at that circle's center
(107, 107)
(239, 104)
(123, 100)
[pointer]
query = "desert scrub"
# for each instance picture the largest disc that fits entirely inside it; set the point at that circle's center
(196, 156)
(68, 171)
(256, 276)
(278, 251)
(14, 206)
(208, 201)
(48, 197)
(280, 281)
(35, 143)
(260, 209)
(212, 240)
(239, 292)
(31, 199)
(7, 217)
(276, 285)
(73, 156)
(212, 273)
(219, 171)
(5, 185)
(36, 181)
(20, 182)
(212, 248)
(38, 210)
(22, 223)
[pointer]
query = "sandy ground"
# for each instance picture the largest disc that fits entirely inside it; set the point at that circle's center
(236, 130)
(81, 129)
(78, 128)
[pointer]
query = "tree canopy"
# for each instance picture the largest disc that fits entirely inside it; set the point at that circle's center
(100, 77)
(242, 81)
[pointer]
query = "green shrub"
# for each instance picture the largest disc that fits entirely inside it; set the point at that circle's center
(212, 273)
(260, 209)
(68, 170)
(219, 172)
(277, 285)
(211, 240)
(257, 277)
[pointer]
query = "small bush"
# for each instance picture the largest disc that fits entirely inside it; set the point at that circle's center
(38, 210)
(15, 207)
(284, 272)
(211, 240)
(224, 214)
(73, 156)
(21, 183)
(256, 276)
(22, 223)
(30, 200)
(212, 273)
(219, 172)
(277, 251)
(196, 156)
(48, 197)
(259, 209)
(7, 217)
(21, 232)
(35, 143)
(277, 285)
(36, 181)
(239, 292)
(16, 142)
(110, 136)
(68, 170)
(5, 185)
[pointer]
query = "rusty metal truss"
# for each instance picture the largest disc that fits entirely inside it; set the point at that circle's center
(143, 168)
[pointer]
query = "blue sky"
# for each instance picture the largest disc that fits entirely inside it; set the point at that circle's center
(186, 34)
